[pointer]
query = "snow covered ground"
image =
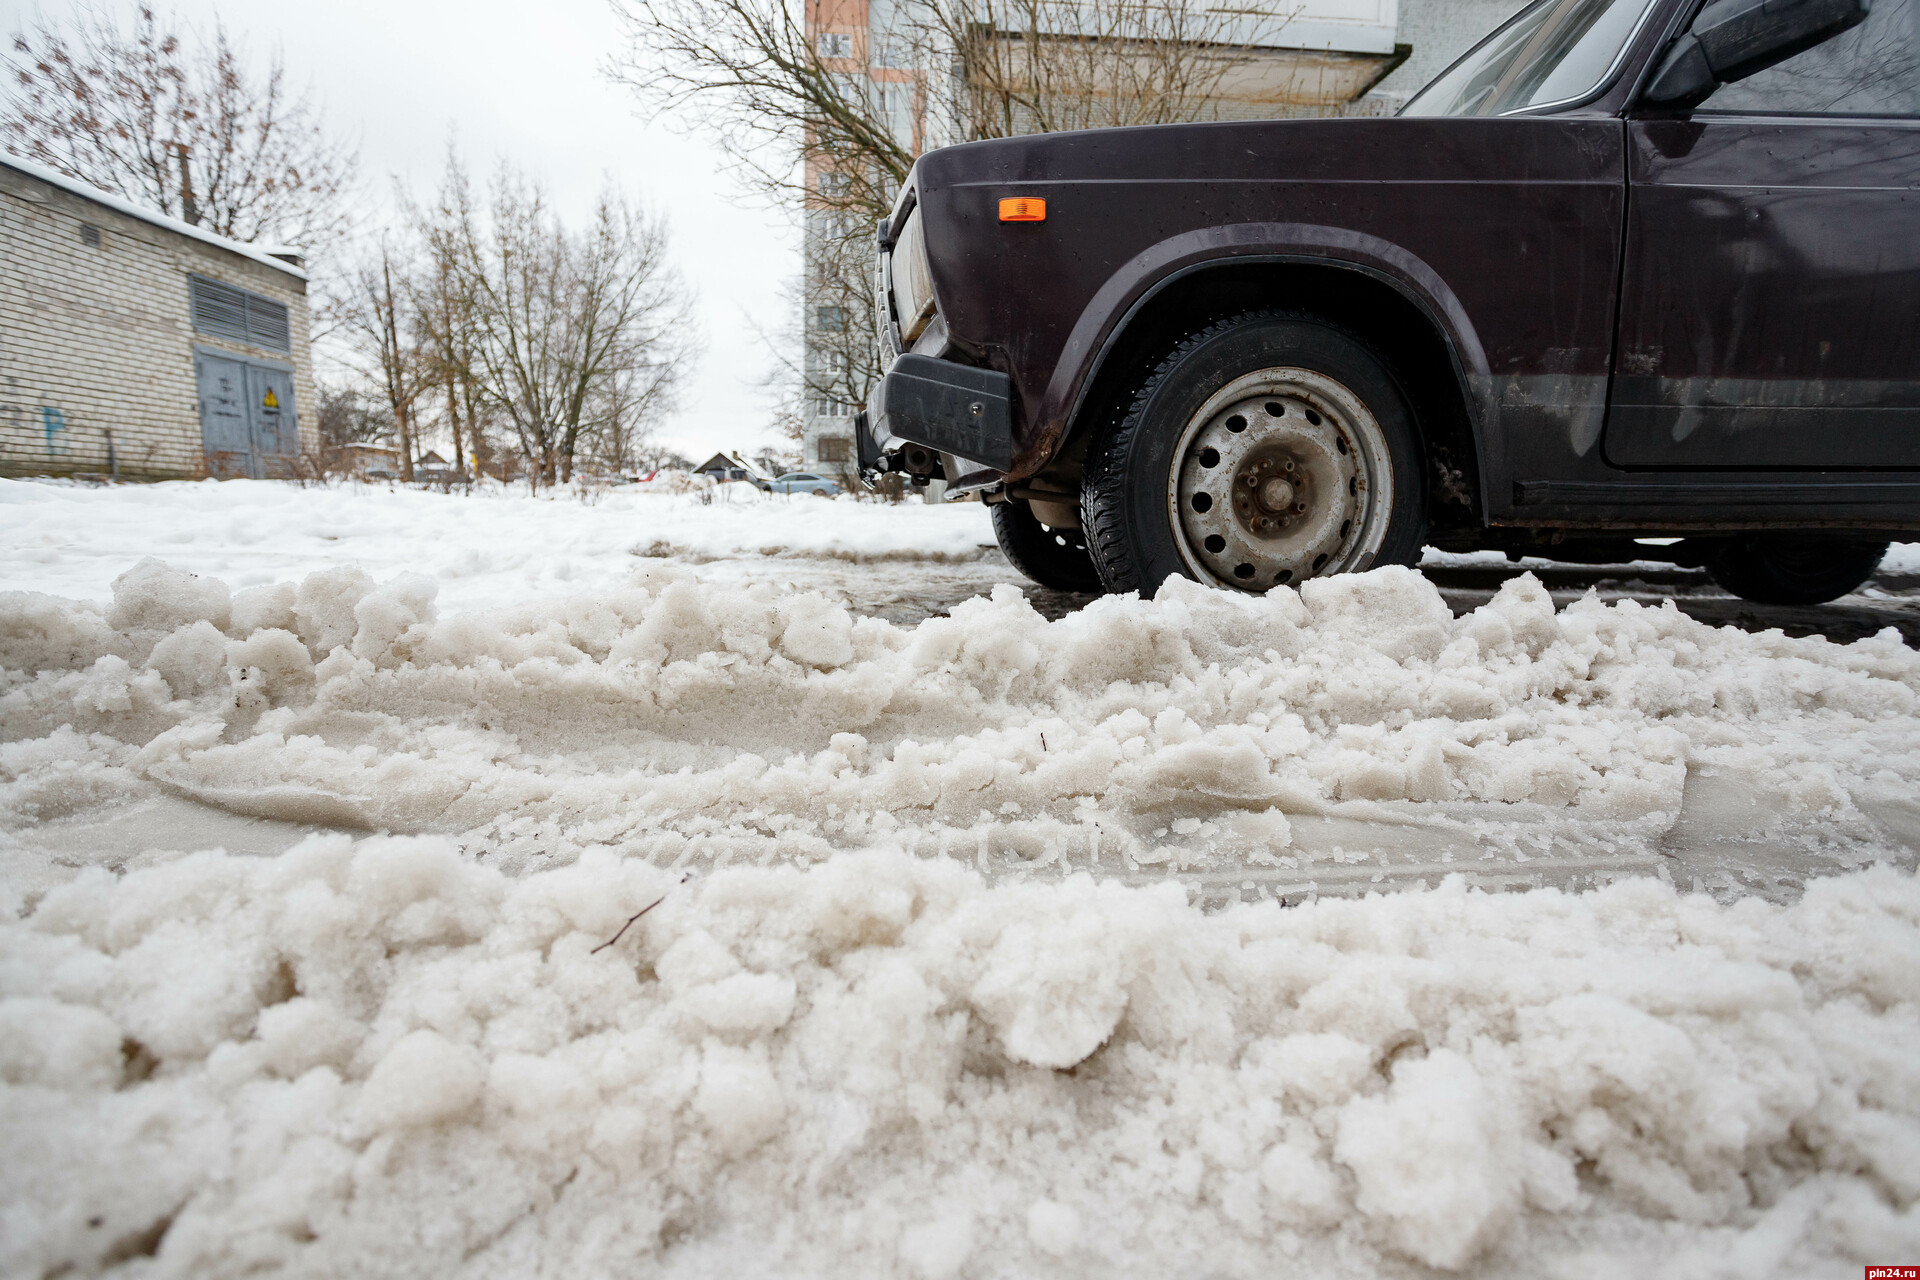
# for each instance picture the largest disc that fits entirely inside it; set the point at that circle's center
(987, 946)
(491, 548)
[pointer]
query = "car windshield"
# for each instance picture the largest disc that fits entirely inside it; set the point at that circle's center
(1552, 51)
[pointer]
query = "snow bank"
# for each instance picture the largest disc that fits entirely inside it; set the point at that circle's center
(485, 550)
(689, 724)
(378, 1058)
(896, 1013)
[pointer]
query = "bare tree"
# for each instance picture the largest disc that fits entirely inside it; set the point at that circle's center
(836, 119)
(789, 421)
(444, 315)
(571, 333)
(840, 365)
(1043, 66)
(383, 327)
(181, 125)
(830, 122)
(823, 355)
(776, 462)
(652, 456)
(346, 416)
(753, 73)
(625, 413)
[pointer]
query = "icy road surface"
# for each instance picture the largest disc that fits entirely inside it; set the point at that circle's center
(985, 943)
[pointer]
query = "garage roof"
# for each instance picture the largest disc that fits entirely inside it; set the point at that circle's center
(87, 192)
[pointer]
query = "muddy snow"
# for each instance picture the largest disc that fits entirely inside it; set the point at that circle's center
(702, 925)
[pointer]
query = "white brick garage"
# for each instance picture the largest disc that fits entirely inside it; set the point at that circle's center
(186, 352)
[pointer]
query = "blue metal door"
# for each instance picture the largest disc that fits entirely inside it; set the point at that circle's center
(276, 437)
(248, 425)
(225, 432)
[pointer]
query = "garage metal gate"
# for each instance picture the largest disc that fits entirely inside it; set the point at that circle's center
(248, 425)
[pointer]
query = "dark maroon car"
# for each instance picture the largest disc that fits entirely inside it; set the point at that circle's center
(1629, 269)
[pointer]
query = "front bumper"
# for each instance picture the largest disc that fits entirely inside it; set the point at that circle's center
(950, 408)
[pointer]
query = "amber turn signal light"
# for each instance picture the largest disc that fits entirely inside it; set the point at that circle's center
(1023, 209)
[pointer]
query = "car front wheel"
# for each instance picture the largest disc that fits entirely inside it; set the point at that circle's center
(1263, 450)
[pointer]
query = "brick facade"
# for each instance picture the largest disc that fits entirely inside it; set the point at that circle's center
(96, 332)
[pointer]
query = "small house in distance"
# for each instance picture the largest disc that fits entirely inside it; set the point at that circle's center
(136, 345)
(431, 468)
(730, 466)
(372, 461)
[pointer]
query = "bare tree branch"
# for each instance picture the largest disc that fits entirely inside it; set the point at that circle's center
(185, 127)
(379, 318)
(573, 337)
(829, 122)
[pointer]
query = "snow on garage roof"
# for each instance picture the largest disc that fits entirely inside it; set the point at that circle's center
(74, 186)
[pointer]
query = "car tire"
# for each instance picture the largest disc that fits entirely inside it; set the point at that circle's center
(1265, 449)
(1054, 558)
(1794, 570)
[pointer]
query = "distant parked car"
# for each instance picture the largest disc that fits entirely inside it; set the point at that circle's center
(803, 482)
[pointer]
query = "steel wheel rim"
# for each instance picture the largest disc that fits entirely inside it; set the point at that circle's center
(1261, 498)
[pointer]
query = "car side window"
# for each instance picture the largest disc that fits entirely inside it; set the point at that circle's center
(1871, 70)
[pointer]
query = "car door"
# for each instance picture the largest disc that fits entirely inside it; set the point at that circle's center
(1770, 294)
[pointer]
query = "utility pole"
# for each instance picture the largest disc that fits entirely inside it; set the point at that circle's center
(189, 207)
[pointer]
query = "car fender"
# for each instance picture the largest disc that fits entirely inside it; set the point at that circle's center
(1134, 285)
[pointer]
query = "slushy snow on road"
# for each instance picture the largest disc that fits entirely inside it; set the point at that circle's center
(700, 927)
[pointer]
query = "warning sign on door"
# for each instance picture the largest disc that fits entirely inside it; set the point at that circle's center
(272, 401)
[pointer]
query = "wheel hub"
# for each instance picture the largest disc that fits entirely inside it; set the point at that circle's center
(1282, 475)
(1276, 495)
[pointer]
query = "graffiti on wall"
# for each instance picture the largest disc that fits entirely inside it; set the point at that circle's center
(19, 418)
(53, 420)
(53, 423)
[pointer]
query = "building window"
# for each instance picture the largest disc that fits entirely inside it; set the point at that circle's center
(833, 185)
(887, 53)
(89, 235)
(836, 44)
(222, 311)
(834, 225)
(832, 409)
(833, 448)
(896, 105)
(830, 319)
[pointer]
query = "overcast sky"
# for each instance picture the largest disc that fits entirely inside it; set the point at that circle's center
(523, 81)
